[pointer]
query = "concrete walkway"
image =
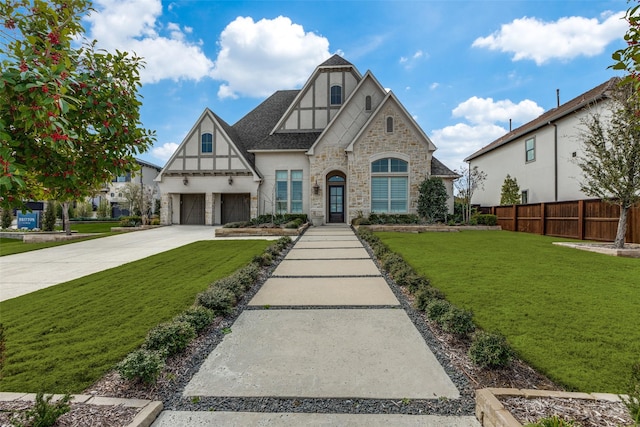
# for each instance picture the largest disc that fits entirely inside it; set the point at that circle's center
(27, 272)
(325, 325)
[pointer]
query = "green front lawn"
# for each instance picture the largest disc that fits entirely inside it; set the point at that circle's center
(573, 315)
(15, 246)
(64, 338)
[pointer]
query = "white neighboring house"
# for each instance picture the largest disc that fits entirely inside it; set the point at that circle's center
(340, 147)
(541, 154)
(144, 176)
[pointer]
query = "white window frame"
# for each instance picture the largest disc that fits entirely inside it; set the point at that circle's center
(389, 176)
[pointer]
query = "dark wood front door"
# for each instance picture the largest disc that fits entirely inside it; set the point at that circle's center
(336, 203)
(235, 207)
(192, 209)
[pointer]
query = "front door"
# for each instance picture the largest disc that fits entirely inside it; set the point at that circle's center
(336, 203)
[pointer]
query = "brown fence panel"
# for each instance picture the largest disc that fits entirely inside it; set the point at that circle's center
(529, 218)
(578, 219)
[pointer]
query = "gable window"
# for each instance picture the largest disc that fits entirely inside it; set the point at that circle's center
(207, 143)
(389, 186)
(288, 191)
(389, 124)
(336, 95)
(530, 150)
(367, 103)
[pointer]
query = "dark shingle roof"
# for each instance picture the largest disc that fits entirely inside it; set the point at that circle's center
(594, 95)
(439, 169)
(336, 60)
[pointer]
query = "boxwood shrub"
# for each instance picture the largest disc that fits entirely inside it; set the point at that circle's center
(170, 338)
(198, 317)
(490, 350)
(436, 310)
(141, 365)
(217, 299)
(458, 322)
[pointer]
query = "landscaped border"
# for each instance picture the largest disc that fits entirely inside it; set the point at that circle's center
(631, 250)
(492, 413)
(260, 231)
(416, 228)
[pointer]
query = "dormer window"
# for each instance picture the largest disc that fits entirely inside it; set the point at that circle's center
(207, 143)
(367, 103)
(336, 95)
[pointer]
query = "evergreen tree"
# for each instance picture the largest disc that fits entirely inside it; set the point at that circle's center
(49, 221)
(510, 194)
(432, 202)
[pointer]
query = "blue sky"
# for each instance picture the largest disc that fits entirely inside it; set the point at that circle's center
(461, 68)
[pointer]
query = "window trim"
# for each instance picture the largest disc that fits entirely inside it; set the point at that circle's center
(531, 150)
(389, 175)
(284, 205)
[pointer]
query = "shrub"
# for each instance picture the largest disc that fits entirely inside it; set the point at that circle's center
(238, 224)
(198, 317)
(155, 221)
(424, 296)
(458, 322)
(432, 201)
(392, 262)
(217, 299)
(130, 221)
(553, 421)
(170, 338)
(436, 310)
(486, 219)
(43, 413)
(414, 281)
(490, 350)
(7, 218)
(141, 365)
(265, 259)
(632, 400)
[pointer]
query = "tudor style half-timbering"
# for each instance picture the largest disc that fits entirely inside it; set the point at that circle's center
(339, 147)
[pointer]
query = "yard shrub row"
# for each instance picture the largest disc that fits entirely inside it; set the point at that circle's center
(486, 350)
(219, 299)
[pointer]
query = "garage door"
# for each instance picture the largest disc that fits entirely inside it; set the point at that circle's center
(192, 209)
(235, 207)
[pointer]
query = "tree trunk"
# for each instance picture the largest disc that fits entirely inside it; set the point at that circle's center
(622, 228)
(65, 218)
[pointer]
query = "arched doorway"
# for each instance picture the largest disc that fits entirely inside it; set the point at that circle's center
(336, 186)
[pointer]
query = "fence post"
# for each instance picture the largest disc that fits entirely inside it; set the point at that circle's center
(515, 217)
(581, 219)
(543, 220)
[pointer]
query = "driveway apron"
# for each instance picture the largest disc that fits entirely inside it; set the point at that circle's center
(325, 325)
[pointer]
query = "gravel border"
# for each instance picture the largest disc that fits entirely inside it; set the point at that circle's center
(173, 399)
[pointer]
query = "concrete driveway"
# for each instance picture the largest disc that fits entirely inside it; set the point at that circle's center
(27, 272)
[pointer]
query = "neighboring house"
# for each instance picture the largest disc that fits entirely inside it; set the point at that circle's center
(340, 147)
(541, 154)
(112, 191)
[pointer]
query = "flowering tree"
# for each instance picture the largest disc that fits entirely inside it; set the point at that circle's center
(628, 59)
(69, 116)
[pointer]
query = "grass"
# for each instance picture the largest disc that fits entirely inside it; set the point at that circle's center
(14, 246)
(571, 314)
(64, 338)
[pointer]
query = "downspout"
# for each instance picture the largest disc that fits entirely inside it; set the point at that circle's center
(555, 161)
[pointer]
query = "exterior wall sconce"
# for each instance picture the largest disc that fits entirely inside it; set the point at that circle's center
(316, 188)
(185, 180)
(230, 180)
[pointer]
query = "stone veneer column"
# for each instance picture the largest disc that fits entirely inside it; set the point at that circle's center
(253, 206)
(165, 209)
(209, 205)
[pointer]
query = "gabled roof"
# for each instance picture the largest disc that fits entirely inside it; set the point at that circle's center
(592, 96)
(439, 169)
(336, 60)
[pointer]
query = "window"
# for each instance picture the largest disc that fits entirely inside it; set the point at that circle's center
(389, 185)
(296, 192)
(389, 124)
(207, 143)
(123, 178)
(525, 197)
(288, 197)
(530, 149)
(367, 103)
(336, 95)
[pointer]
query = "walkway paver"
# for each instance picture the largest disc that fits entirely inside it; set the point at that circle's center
(27, 272)
(287, 346)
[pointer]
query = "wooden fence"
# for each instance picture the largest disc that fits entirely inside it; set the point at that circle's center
(578, 219)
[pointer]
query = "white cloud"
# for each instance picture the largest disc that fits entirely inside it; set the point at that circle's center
(409, 62)
(486, 110)
(457, 142)
(132, 26)
(257, 58)
(165, 151)
(434, 86)
(564, 39)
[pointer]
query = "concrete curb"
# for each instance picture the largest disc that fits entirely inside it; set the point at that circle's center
(491, 413)
(149, 409)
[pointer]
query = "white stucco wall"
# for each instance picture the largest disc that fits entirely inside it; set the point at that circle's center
(267, 163)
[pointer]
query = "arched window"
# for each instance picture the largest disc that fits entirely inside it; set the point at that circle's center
(367, 103)
(336, 95)
(207, 143)
(389, 185)
(389, 124)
